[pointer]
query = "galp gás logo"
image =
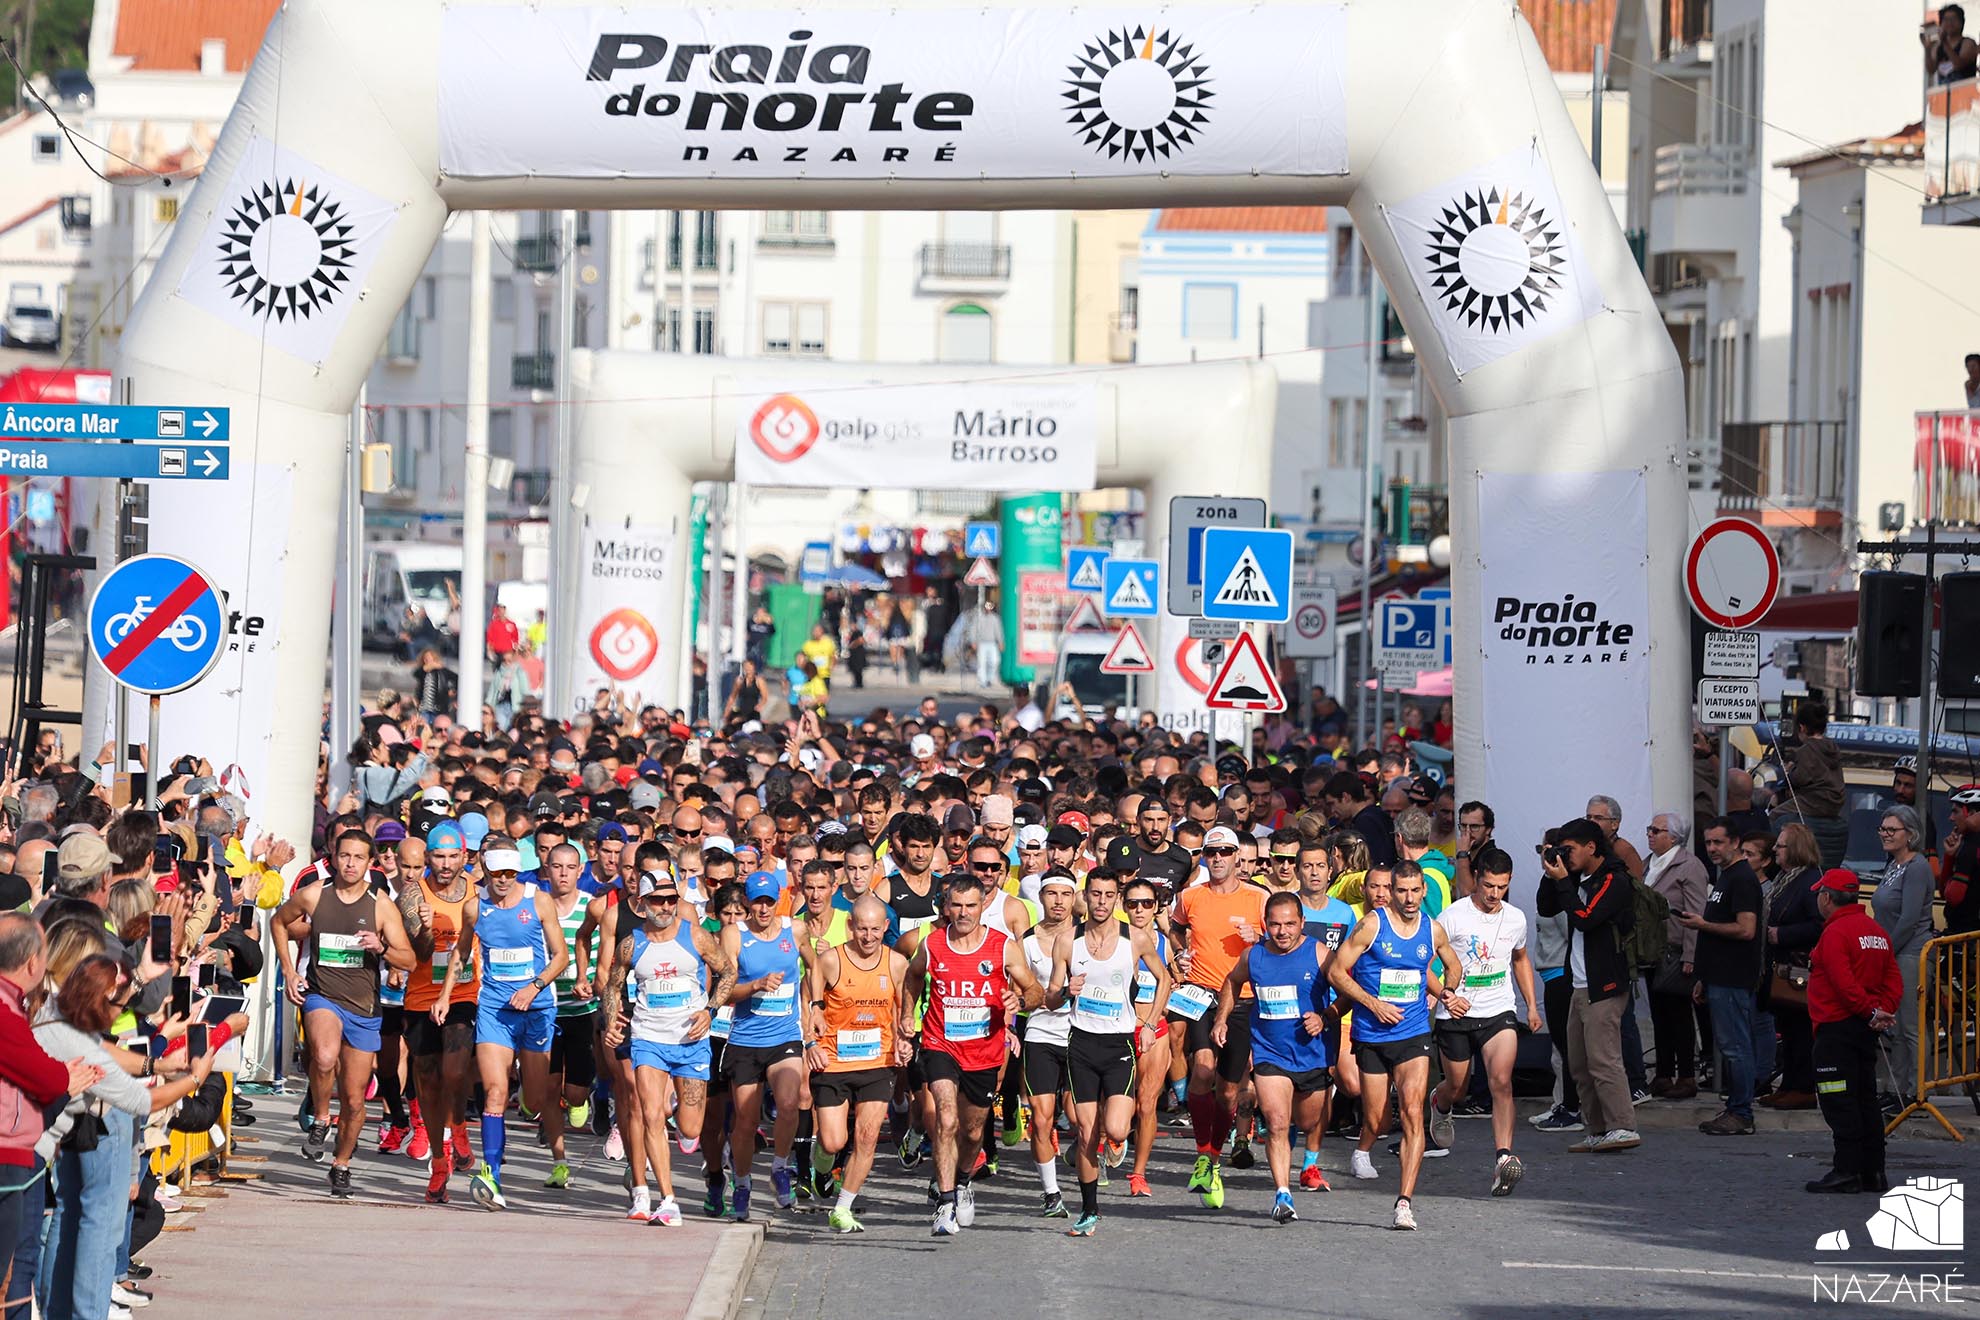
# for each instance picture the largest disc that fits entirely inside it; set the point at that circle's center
(785, 428)
(624, 644)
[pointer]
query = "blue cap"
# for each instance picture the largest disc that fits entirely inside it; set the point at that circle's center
(762, 884)
(611, 829)
(446, 834)
(474, 828)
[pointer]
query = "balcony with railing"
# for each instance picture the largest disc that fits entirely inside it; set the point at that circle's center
(1699, 198)
(965, 267)
(1952, 153)
(1945, 468)
(1783, 474)
(1686, 40)
(536, 253)
(535, 372)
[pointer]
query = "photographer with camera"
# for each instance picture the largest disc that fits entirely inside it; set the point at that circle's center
(1584, 882)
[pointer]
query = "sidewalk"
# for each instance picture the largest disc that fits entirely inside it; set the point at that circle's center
(278, 1243)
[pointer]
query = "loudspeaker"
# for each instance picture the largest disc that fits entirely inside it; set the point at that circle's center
(1959, 635)
(1890, 618)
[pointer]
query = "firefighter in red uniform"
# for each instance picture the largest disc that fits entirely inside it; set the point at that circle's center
(1853, 993)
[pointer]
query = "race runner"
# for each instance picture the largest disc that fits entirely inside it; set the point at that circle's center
(1152, 1063)
(1489, 935)
(1042, 1050)
(1095, 970)
(350, 930)
(766, 1041)
(432, 908)
(522, 954)
(1291, 1037)
(572, 1058)
(1327, 920)
(857, 993)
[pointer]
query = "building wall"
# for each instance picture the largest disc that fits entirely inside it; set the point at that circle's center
(1107, 254)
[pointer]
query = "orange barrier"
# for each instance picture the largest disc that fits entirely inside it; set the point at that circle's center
(1948, 1019)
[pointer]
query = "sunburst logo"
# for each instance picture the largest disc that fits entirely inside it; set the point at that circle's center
(1496, 258)
(286, 250)
(1138, 93)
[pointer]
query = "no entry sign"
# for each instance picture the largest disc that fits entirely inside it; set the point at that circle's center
(1732, 574)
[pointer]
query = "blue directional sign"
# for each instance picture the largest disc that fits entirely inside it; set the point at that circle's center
(1442, 595)
(1247, 574)
(157, 624)
(81, 458)
(1086, 569)
(983, 540)
(1128, 588)
(112, 421)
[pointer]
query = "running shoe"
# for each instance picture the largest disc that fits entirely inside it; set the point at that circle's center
(1014, 1132)
(560, 1176)
(1241, 1156)
(1361, 1166)
(1506, 1174)
(1443, 1130)
(1083, 1226)
(615, 1145)
(436, 1182)
(911, 1151)
(1112, 1153)
(712, 1200)
(1213, 1195)
(1558, 1119)
(486, 1191)
(1469, 1108)
(419, 1147)
(1199, 1176)
(1138, 1185)
(1282, 1209)
(965, 1205)
(1054, 1207)
(986, 1164)
(522, 1109)
(1432, 1148)
(371, 1088)
(340, 1181)
(945, 1221)
(316, 1142)
(667, 1214)
(782, 1184)
(463, 1156)
(842, 1221)
(641, 1209)
(1313, 1180)
(578, 1116)
(391, 1138)
(601, 1118)
(1405, 1217)
(739, 1204)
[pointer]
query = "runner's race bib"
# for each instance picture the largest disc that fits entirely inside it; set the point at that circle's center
(1191, 1001)
(1484, 980)
(1144, 987)
(959, 1024)
(1400, 985)
(339, 951)
(781, 1002)
(859, 1046)
(511, 964)
(718, 1026)
(1101, 1001)
(668, 992)
(1277, 1003)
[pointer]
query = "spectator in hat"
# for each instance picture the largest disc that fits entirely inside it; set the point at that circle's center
(1854, 991)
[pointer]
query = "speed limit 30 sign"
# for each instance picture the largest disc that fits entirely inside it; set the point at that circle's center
(1310, 630)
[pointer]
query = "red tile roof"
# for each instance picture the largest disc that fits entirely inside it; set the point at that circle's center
(164, 35)
(1569, 30)
(1243, 220)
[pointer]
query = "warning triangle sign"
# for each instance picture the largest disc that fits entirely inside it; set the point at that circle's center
(1087, 576)
(1246, 585)
(1245, 682)
(981, 574)
(1129, 654)
(1086, 617)
(1130, 597)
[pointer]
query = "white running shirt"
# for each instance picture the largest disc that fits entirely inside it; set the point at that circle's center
(1484, 944)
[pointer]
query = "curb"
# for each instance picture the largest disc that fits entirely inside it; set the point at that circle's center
(1663, 1115)
(719, 1294)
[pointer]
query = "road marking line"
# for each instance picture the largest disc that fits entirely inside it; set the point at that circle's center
(1644, 1269)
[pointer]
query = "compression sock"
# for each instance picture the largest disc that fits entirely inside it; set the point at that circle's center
(1203, 1122)
(1089, 1197)
(1225, 1120)
(1312, 1158)
(778, 1164)
(801, 1148)
(494, 1140)
(1048, 1176)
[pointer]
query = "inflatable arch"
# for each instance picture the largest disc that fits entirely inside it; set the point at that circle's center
(363, 123)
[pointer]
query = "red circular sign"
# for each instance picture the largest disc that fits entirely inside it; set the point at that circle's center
(1732, 573)
(1310, 620)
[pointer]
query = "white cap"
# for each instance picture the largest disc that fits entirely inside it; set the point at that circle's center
(439, 795)
(721, 841)
(1222, 835)
(501, 859)
(921, 746)
(1031, 836)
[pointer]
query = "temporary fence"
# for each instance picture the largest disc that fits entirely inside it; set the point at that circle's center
(1948, 1019)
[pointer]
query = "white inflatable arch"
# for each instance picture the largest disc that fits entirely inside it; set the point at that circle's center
(363, 123)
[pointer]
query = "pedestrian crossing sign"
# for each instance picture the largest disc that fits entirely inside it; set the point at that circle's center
(982, 540)
(1129, 587)
(1085, 569)
(1247, 574)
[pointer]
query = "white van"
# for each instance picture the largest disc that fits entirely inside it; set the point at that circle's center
(397, 573)
(1080, 655)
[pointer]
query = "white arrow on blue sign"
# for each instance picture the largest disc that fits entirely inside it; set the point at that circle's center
(1086, 569)
(157, 624)
(1247, 574)
(114, 421)
(983, 540)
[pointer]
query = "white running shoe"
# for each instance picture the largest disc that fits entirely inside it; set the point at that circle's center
(1506, 1174)
(642, 1205)
(965, 1206)
(1361, 1166)
(669, 1213)
(615, 1145)
(1405, 1217)
(945, 1221)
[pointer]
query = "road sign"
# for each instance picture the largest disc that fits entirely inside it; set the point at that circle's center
(1245, 682)
(1442, 595)
(1408, 638)
(1221, 630)
(157, 624)
(1128, 588)
(1247, 573)
(1723, 701)
(1086, 618)
(815, 565)
(1086, 569)
(80, 458)
(1732, 654)
(110, 421)
(1732, 573)
(1129, 654)
(981, 574)
(1310, 631)
(983, 540)
(1189, 515)
(40, 506)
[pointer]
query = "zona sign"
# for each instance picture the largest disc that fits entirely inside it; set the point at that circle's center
(1732, 574)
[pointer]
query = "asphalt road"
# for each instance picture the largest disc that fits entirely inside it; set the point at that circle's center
(1687, 1225)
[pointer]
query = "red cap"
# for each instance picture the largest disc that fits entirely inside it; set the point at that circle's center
(1076, 819)
(625, 774)
(1841, 881)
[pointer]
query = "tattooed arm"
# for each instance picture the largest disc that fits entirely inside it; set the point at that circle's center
(615, 994)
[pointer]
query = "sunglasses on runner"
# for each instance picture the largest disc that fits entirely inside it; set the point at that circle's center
(1220, 852)
(1141, 903)
(1284, 859)
(987, 868)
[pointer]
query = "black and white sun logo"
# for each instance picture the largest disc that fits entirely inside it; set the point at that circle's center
(1138, 94)
(286, 250)
(1495, 259)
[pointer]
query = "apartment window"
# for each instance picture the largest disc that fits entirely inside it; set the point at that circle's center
(1130, 307)
(1209, 311)
(779, 327)
(794, 328)
(581, 322)
(429, 297)
(165, 210)
(811, 330)
(402, 343)
(667, 331)
(966, 334)
(649, 259)
(704, 330)
(796, 227)
(502, 433)
(47, 147)
(405, 461)
(1347, 432)
(76, 218)
(704, 240)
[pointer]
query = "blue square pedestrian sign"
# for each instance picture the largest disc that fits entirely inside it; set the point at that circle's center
(982, 540)
(1247, 574)
(1086, 569)
(1128, 588)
